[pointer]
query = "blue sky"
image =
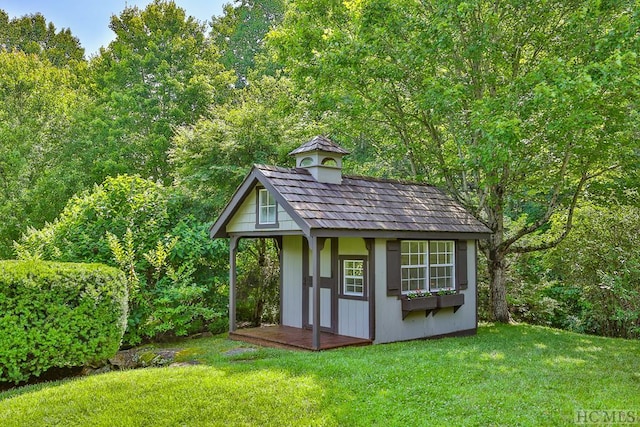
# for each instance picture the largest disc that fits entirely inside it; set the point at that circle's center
(89, 19)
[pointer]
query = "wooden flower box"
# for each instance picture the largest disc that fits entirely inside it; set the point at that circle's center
(454, 300)
(426, 304)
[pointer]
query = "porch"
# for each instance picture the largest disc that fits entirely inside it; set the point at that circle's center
(293, 338)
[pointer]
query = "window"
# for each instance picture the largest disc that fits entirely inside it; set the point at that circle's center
(353, 277)
(414, 265)
(306, 162)
(427, 265)
(267, 208)
(440, 265)
(329, 161)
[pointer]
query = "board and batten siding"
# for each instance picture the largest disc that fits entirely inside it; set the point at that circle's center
(353, 315)
(389, 324)
(353, 318)
(292, 281)
(245, 217)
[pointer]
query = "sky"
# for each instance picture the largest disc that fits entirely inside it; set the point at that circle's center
(89, 19)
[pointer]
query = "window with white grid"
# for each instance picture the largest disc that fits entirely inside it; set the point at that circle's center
(427, 265)
(414, 265)
(267, 207)
(353, 277)
(441, 261)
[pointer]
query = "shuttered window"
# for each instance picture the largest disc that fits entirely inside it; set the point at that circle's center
(427, 265)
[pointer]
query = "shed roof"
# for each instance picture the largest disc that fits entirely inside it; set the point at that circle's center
(319, 143)
(357, 204)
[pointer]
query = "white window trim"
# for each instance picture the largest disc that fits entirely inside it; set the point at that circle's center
(427, 266)
(270, 206)
(424, 266)
(345, 276)
(452, 265)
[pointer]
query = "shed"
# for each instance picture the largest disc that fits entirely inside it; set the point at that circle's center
(363, 260)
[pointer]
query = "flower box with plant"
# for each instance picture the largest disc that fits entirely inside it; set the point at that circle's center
(418, 300)
(450, 298)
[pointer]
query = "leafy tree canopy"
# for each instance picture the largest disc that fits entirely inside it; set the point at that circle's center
(37, 105)
(500, 103)
(240, 32)
(260, 124)
(32, 35)
(159, 72)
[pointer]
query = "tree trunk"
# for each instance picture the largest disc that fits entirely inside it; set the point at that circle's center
(497, 284)
(496, 258)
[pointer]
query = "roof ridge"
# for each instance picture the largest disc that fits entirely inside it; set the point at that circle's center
(390, 180)
(353, 177)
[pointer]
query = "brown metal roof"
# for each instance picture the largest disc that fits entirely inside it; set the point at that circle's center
(319, 143)
(368, 204)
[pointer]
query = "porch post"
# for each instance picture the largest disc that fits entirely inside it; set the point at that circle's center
(315, 286)
(233, 251)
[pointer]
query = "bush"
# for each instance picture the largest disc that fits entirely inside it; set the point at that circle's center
(58, 315)
(601, 257)
(174, 270)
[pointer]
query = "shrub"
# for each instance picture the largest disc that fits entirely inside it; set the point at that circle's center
(174, 269)
(601, 257)
(58, 315)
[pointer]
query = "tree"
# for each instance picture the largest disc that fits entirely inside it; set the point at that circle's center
(32, 35)
(261, 123)
(37, 105)
(601, 259)
(239, 33)
(514, 107)
(159, 73)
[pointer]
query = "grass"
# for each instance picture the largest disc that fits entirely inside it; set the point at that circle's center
(506, 375)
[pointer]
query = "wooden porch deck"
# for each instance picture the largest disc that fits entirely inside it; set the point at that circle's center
(293, 338)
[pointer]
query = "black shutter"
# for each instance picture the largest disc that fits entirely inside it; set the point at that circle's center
(461, 265)
(393, 267)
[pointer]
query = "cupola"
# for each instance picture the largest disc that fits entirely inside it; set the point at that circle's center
(322, 158)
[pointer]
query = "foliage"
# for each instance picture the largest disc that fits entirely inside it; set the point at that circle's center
(239, 33)
(258, 293)
(160, 72)
(32, 35)
(600, 263)
(37, 105)
(500, 104)
(418, 294)
(173, 269)
(261, 123)
(506, 375)
(58, 315)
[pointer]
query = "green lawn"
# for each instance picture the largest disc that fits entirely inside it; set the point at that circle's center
(506, 375)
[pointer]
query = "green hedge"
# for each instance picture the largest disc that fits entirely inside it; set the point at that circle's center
(58, 315)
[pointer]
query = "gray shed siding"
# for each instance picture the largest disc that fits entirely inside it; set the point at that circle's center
(245, 218)
(291, 294)
(389, 324)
